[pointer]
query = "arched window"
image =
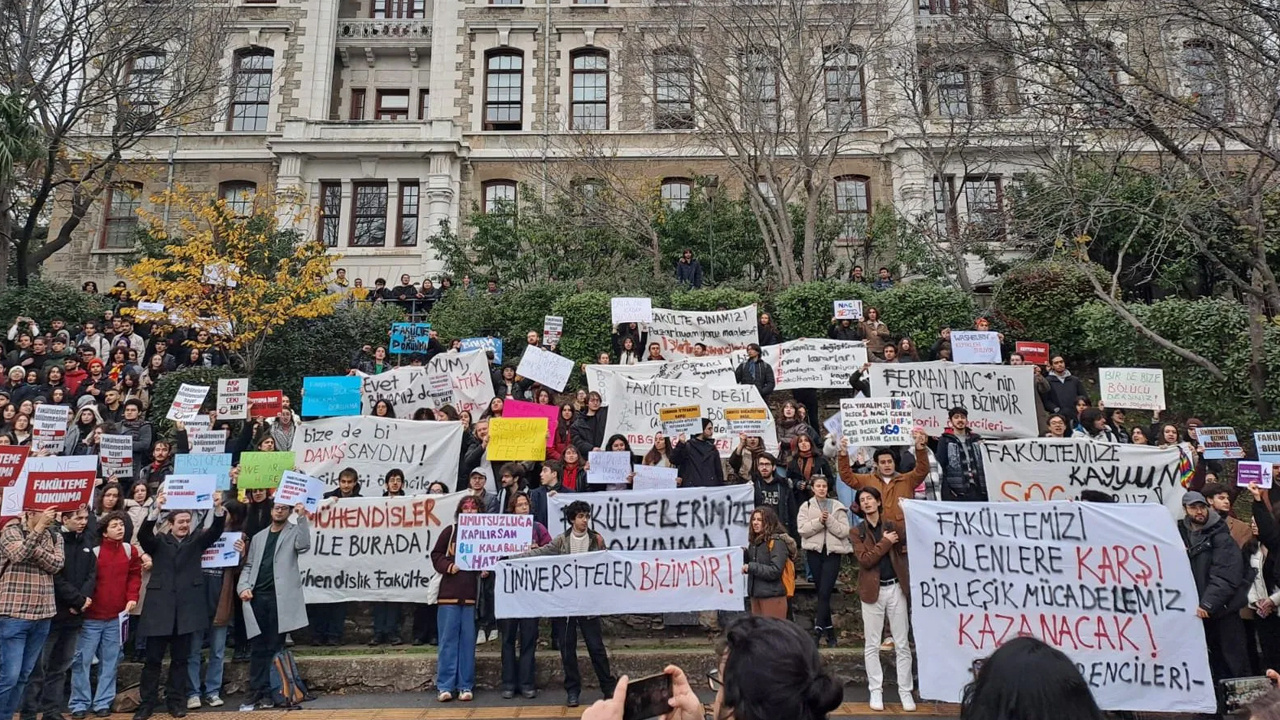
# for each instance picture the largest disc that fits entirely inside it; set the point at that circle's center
(676, 192)
(120, 215)
(251, 90)
(845, 90)
(238, 196)
(503, 90)
(853, 206)
(589, 85)
(499, 197)
(673, 89)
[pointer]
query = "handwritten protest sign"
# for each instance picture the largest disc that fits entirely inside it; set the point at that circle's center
(723, 331)
(524, 409)
(633, 411)
(189, 492)
(296, 487)
(62, 483)
(216, 464)
(1132, 388)
(263, 469)
(115, 456)
(746, 421)
(426, 450)
(331, 396)
(207, 442)
(1060, 468)
(186, 404)
(1109, 585)
(975, 346)
(1249, 472)
(375, 549)
(876, 421)
(814, 363)
(652, 477)
(614, 583)
(265, 404)
(1268, 445)
(1000, 399)
(407, 338)
(1220, 443)
(847, 310)
(630, 309)
(485, 539)
(222, 553)
(484, 344)
(150, 307)
(462, 378)
(545, 367)
(552, 329)
(517, 438)
(1036, 353)
(233, 399)
(834, 425)
(685, 419)
(716, 370)
(12, 458)
(665, 519)
(608, 467)
(49, 427)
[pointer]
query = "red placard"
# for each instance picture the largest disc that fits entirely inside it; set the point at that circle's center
(1035, 353)
(11, 459)
(265, 403)
(66, 490)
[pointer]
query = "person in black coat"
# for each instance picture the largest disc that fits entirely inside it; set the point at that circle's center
(698, 459)
(755, 371)
(1064, 388)
(587, 430)
(175, 606)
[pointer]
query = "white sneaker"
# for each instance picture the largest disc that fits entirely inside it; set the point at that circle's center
(877, 701)
(482, 637)
(193, 703)
(213, 700)
(908, 702)
(493, 636)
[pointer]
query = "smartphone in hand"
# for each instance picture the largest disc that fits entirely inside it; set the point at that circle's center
(647, 697)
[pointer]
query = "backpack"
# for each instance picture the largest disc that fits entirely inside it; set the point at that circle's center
(287, 688)
(127, 699)
(128, 550)
(788, 573)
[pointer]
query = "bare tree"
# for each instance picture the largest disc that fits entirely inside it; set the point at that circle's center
(96, 78)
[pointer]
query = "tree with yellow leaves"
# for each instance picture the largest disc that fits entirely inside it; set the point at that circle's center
(239, 277)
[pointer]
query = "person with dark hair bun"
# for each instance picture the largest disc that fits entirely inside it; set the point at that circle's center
(1030, 680)
(769, 670)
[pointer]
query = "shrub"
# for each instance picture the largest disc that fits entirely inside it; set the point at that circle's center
(44, 300)
(167, 388)
(805, 310)
(710, 299)
(1038, 301)
(587, 328)
(322, 346)
(920, 309)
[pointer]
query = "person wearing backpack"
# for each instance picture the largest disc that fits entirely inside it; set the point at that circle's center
(880, 545)
(768, 565)
(270, 590)
(119, 581)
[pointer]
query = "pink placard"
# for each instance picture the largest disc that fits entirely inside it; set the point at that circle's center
(522, 409)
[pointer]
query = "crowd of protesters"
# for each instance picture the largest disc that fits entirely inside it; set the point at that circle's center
(819, 504)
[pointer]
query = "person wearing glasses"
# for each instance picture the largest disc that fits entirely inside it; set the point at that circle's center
(769, 669)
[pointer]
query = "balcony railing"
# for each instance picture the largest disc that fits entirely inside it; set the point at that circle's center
(378, 31)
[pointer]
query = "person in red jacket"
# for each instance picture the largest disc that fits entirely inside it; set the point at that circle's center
(119, 581)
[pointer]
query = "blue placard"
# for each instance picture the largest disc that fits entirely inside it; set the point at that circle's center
(484, 343)
(331, 396)
(409, 338)
(215, 464)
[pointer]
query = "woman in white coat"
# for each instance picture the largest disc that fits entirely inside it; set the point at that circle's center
(824, 534)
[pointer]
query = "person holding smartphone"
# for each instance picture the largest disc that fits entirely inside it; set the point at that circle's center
(824, 531)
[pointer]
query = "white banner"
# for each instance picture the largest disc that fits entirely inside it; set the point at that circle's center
(411, 388)
(652, 477)
(634, 412)
(375, 549)
(207, 442)
(617, 583)
(233, 399)
(187, 402)
(630, 309)
(1132, 388)
(1109, 585)
(222, 553)
(545, 367)
(707, 370)
(1000, 399)
(1060, 468)
(484, 539)
(722, 332)
(189, 492)
(876, 421)
(814, 363)
(425, 450)
(115, 455)
(663, 519)
(49, 428)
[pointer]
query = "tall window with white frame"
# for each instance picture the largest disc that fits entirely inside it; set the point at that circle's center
(251, 90)
(500, 198)
(369, 215)
(842, 73)
(146, 74)
(120, 216)
(239, 197)
(760, 90)
(673, 89)
(853, 207)
(589, 80)
(330, 212)
(945, 218)
(503, 90)
(407, 225)
(952, 84)
(675, 193)
(984, 205)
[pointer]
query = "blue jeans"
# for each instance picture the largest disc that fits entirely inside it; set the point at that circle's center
(21, 645)
(99, 638)
(456, 666)
(217, 653)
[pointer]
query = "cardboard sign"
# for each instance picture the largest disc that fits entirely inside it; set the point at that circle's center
(1132, 388)
(296, 487)
(233, 399)
(1035, 353)
(484, 539)
(407, 338)
(216, 464)
(517, 439)
(608, 467)
(746, 421)
(692, 517)
(545, 367)
(685, 419)
(487, 344)
(331, 396)
(222, 553)
(631, 309)
(115, 456)
(652, 477)
(425, 450)
(265, 404)
(1220, 443)
(847, 310)
(263, 469)
(717, 370)
(189, 492)
(62, 483)
(49, 428)
(814, 363)
(186, 404)
(1249, 472)
(976, 347)
(876, 421)
(635, 404)
(1268, 446)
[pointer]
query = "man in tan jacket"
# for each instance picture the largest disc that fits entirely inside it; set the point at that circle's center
(893, 485)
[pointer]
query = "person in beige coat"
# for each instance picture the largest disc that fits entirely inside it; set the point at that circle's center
(824, 534)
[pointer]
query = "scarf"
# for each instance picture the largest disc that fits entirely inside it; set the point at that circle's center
(570, 480)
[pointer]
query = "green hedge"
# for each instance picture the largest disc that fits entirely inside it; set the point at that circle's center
(44, 300)
(1038, 302)
(322, 346)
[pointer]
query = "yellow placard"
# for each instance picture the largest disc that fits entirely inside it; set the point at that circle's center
(750, 413)
(518, 438)
(684, 412)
